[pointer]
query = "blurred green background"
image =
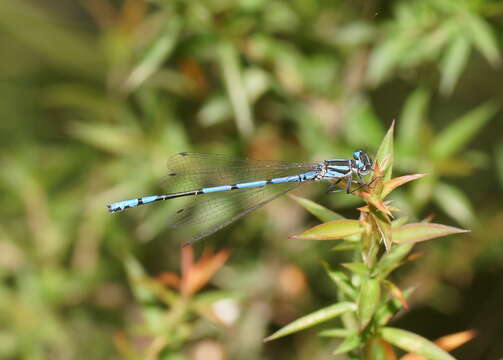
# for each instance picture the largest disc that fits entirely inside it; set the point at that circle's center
(95, 95)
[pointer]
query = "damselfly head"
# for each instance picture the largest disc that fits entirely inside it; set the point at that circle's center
(363, 162)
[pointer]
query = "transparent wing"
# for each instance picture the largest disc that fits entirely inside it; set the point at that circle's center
(211, 212)
(190, 171)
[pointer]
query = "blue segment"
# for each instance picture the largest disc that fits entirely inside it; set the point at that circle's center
(121, 205)
(216, 188)
(285, 179)
(308, 176)
(251, 184)
(149, 199)
(331, 174)
(341, 168)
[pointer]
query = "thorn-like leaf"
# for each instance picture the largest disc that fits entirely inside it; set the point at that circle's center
(458, 133)
(453, 62)
(319, 211)
(411, 342)
(397, 293)
(447, 343)
(453, 341)
(196, 275)
(341, 280)
(368, 300)
(335, 333)
(455, 203)
(157, 53)
(386, 151)
(351, 342)
(387, 310)
(422, 231)
(392, 184)
(332, 230)
(411, 120)
(313, 319)
(483, 37)
(392, 260)
(357, 268)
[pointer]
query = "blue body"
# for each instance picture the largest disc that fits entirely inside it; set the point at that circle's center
(200, 166)
(309, 176)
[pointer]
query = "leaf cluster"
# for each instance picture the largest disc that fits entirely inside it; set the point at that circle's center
(367, 297)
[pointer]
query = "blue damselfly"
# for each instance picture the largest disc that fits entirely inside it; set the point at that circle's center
(226, 188)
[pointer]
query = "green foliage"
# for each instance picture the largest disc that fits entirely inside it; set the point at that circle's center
(433, 30)
(96, 95)
(371, 273)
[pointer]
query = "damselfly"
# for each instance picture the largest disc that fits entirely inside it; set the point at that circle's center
(226, 188)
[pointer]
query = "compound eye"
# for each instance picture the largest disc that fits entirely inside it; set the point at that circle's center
(357, 154)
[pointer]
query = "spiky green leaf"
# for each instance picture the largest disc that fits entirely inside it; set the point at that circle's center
(453, 63)
(368, 300)
(351, 342)
(319, 211)
(387, 310)
(315, 318)
(413, 115)
(414, 343)
(392, 184)
(417, 232)
(332, 230)
(388, 262)
(483, 37)
(461, 131)
(385, 152)
(341, 280)
(455, 203)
